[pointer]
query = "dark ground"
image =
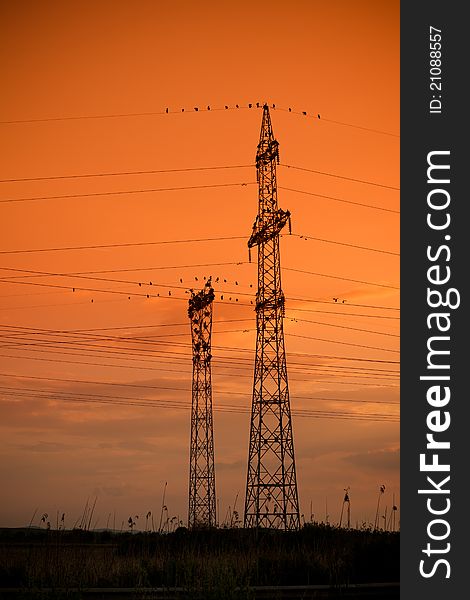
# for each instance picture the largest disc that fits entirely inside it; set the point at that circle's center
(222, 563)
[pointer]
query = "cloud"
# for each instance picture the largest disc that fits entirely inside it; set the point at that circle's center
(364, 292)
(42, 446)
(229, 466)
(385, 459)
(115, 491)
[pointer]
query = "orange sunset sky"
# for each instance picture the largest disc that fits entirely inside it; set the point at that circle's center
(95, 377)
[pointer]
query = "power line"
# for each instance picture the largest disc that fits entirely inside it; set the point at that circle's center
(168, 111)
(293, 319)
(244, 304)
(377, 306)
(154, 341)
(155, 284)
(123, 245)
(317, 239)
(170, 267)
(328, 312)
(87, 335)
(84, 349)
(164, 403)
(323, 119)
(191, 187)
(180, 111)
(223, 373)
(84, 289)
(157, 295)
(225, 408)
(240, 363)
(394, 287)
(340, 200)
(183, 170)
(363, 128)
(220, 238)
(348, 327)
(150, 338)
(127, 270)
(299, 354)
(16, 340)
(120, 173)
(153, 369)
(120, 192)
(145, 386)
(382, 185)
(154, 296)
(74, 331)
(158, 325)
(114, 397)
(67, 304)
(9, 278)
(306, 337)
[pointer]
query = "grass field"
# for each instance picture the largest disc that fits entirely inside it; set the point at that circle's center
(215, 563)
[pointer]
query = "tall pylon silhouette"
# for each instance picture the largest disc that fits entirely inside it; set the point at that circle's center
(271, 490)
(202, 498)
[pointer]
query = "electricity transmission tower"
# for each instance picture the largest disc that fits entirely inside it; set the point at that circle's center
(202, 500)
(271, 489)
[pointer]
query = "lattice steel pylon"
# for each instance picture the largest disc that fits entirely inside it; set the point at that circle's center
(202, 498)
(271, 491)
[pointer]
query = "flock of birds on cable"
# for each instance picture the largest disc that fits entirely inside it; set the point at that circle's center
(249, 105)
(217, 280)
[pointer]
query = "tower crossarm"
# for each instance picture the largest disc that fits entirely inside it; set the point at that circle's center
(200, 300)
(267, 151)
(268, 228)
